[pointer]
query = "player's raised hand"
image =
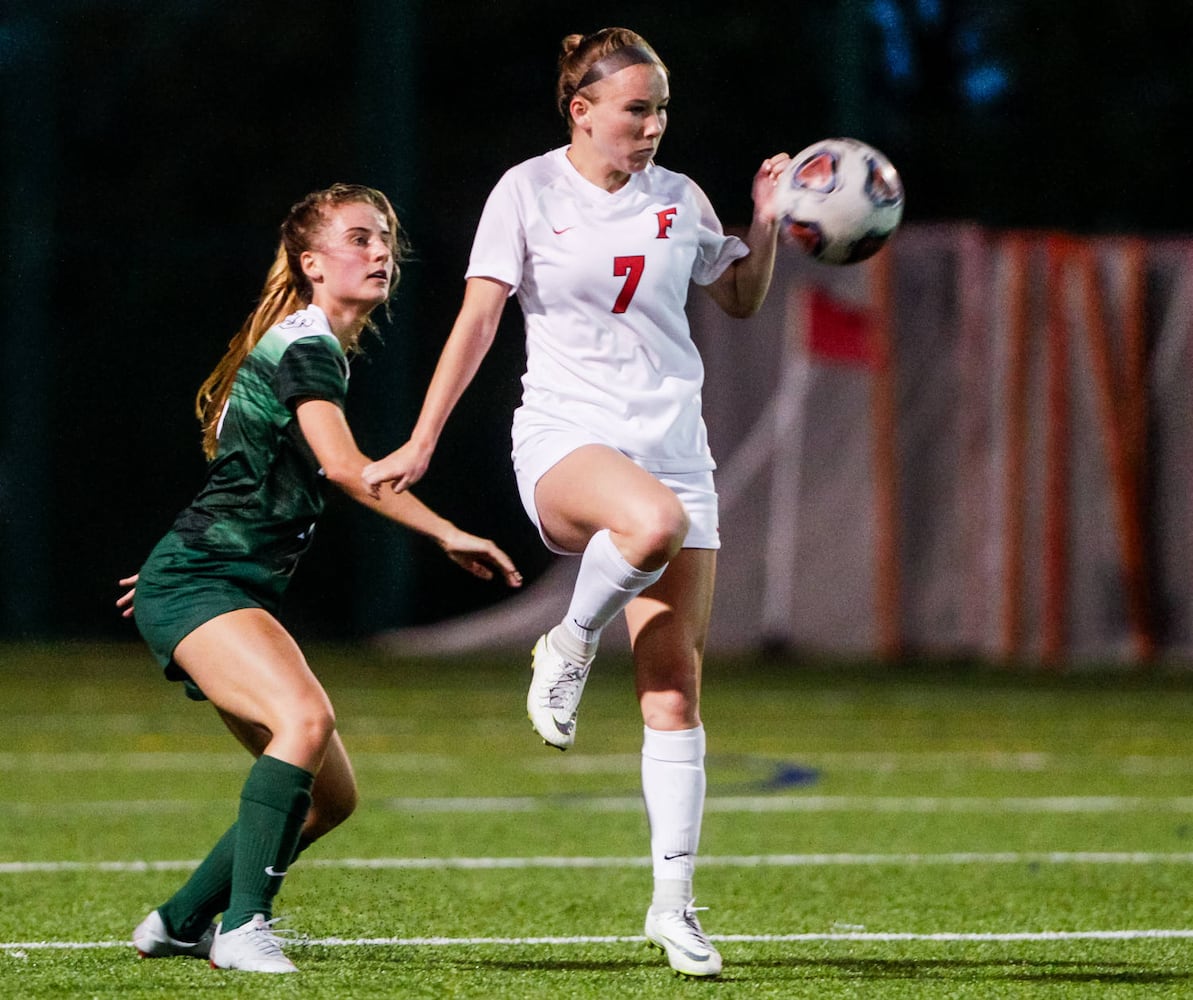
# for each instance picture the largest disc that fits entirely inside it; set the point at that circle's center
(763, 191)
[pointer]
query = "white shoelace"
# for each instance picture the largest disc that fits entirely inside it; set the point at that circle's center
(690, 918)
(685, 921)
(273, 937)
(562, 693)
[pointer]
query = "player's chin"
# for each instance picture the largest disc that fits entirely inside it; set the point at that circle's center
(638, 162)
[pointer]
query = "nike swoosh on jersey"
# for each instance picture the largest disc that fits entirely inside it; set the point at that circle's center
(560, 232)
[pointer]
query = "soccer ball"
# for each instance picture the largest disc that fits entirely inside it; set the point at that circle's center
(839, 200)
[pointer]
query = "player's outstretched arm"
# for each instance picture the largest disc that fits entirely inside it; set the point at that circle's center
(469, 341)
(742, 289)
(327, 432)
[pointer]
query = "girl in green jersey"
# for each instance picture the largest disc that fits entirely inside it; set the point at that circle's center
(207, 598)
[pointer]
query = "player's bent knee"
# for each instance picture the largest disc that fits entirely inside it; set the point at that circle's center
(661, 528)
(311, 726)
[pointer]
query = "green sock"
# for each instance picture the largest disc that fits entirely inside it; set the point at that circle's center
(273, 806)
(190, 911)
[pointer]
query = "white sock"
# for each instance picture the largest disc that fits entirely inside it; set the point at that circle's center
(671, 894)
(673, 784)
(605, 584)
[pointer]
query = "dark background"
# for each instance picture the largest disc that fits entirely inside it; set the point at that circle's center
(150, 149)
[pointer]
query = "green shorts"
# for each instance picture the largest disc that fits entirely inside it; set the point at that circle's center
(180, 588)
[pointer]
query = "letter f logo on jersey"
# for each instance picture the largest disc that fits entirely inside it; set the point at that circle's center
(665, 217)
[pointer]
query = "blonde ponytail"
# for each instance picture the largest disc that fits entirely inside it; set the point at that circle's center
(278, 300)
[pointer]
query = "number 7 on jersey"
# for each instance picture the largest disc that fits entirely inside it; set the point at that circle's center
(631, 269)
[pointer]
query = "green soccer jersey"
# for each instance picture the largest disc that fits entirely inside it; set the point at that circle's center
(263, 492)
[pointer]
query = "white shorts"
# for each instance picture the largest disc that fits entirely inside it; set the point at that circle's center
(540, 451)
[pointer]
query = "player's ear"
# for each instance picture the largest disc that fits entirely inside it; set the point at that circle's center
(310, 266)
(579, 109)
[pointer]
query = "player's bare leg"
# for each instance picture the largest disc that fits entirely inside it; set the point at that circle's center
(627, 525)
(668, 629)
(252, 670)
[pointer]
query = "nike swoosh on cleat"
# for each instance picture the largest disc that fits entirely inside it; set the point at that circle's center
(565, 728)
(695, 956)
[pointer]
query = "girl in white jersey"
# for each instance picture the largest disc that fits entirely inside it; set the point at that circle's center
(601, 245)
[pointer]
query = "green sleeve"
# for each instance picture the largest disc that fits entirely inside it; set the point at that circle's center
(311, 368)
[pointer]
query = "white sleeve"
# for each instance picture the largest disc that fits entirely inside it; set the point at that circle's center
(715, 251)
(499, 247)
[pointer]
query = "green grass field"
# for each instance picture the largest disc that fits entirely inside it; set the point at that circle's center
(870, 832)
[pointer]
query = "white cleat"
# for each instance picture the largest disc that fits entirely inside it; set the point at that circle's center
(152, 940)
(554, 694)
(678, 933)
(251, 948)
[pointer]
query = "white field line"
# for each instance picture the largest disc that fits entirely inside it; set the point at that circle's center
(16, 949)
(813, 803)
(779, 803)
(708, 861)
(69, 762)
(897, 762)
(877, 762)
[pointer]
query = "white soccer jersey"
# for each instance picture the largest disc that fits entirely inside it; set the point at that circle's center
(602, 280)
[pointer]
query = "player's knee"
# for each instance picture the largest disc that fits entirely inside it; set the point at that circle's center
(312, 725)
(670, 709)
(661, 527)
